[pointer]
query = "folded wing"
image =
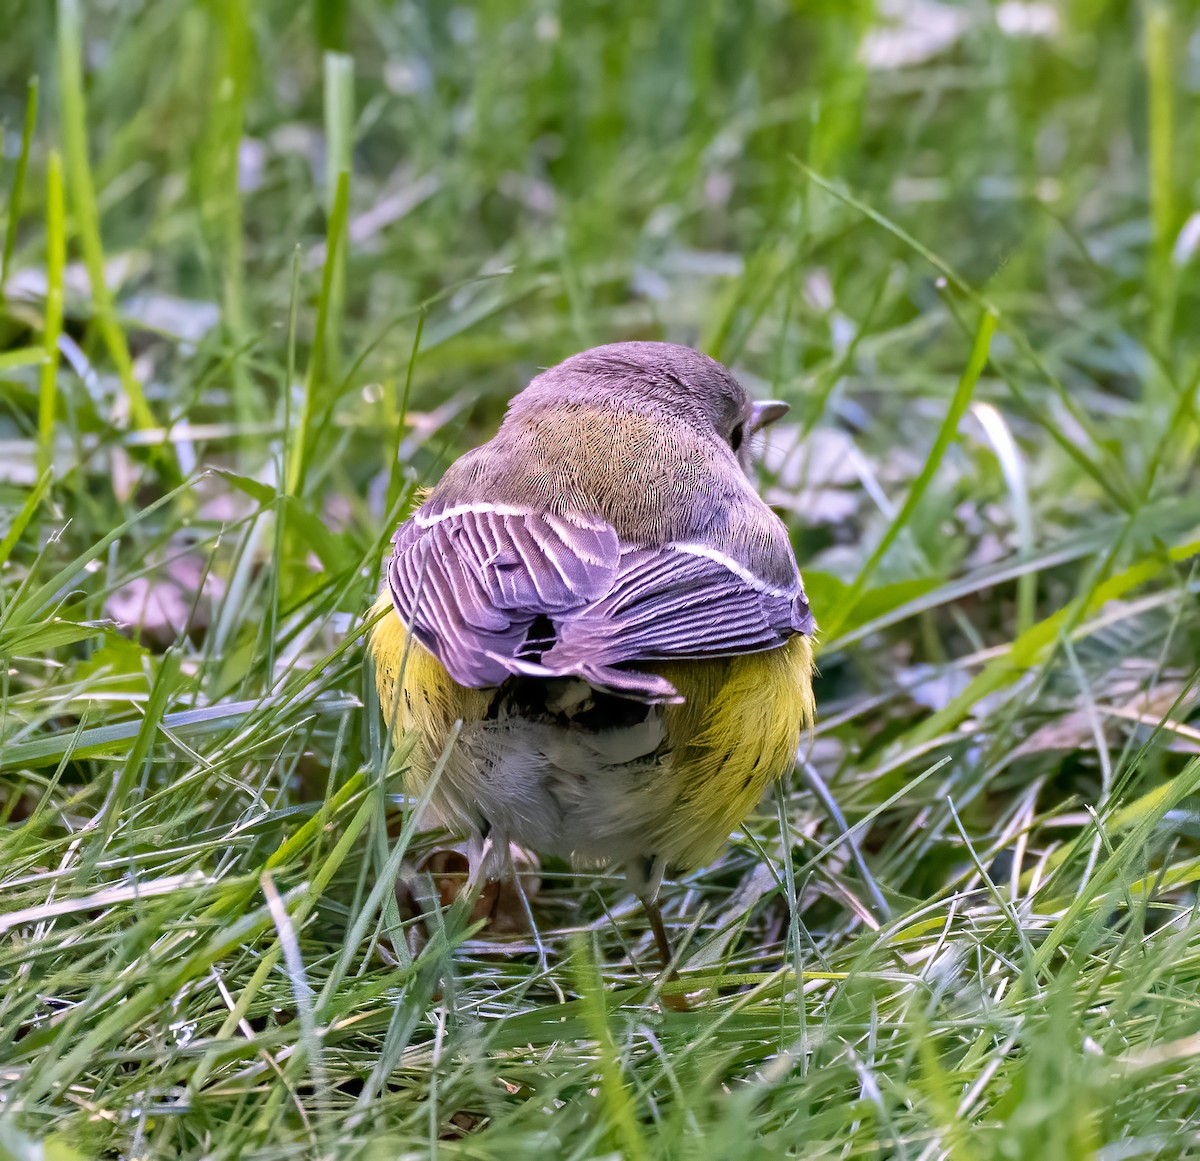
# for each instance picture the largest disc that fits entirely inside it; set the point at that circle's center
(495, 591)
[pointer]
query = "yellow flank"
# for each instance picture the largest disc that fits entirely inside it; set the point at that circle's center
(387, 651)
(735, 734)
(428, 701)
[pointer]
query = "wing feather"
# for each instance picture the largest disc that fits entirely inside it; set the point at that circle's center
(472, 581)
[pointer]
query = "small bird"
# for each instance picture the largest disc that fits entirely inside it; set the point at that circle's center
(600, 638)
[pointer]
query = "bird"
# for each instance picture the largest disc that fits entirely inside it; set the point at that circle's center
(593, 627)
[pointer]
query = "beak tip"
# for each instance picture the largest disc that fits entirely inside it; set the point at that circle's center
(768, 411)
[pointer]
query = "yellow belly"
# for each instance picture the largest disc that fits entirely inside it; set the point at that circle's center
(737, 731)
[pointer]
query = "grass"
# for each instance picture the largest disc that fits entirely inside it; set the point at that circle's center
(291, 263)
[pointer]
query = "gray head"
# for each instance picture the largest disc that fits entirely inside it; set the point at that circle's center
(656, 377)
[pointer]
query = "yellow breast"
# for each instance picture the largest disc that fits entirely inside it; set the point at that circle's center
(737, 731)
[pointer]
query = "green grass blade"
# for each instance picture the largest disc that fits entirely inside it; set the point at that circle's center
(56, 256)
(339, 137)
(23, 517)
(314, 380)
(17, 192)
(618, 1102)
(948, 431)
(87, 221)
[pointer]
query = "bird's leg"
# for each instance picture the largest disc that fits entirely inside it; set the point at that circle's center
(501, 878)
(481, 858)
(645, 877)
(654, 914)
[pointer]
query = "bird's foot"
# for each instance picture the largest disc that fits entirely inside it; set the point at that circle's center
(504, 897)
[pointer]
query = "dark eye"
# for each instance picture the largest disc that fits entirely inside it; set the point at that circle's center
(735, 436)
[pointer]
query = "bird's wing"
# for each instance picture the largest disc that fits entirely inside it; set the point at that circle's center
(472, 581)
(672, 603)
